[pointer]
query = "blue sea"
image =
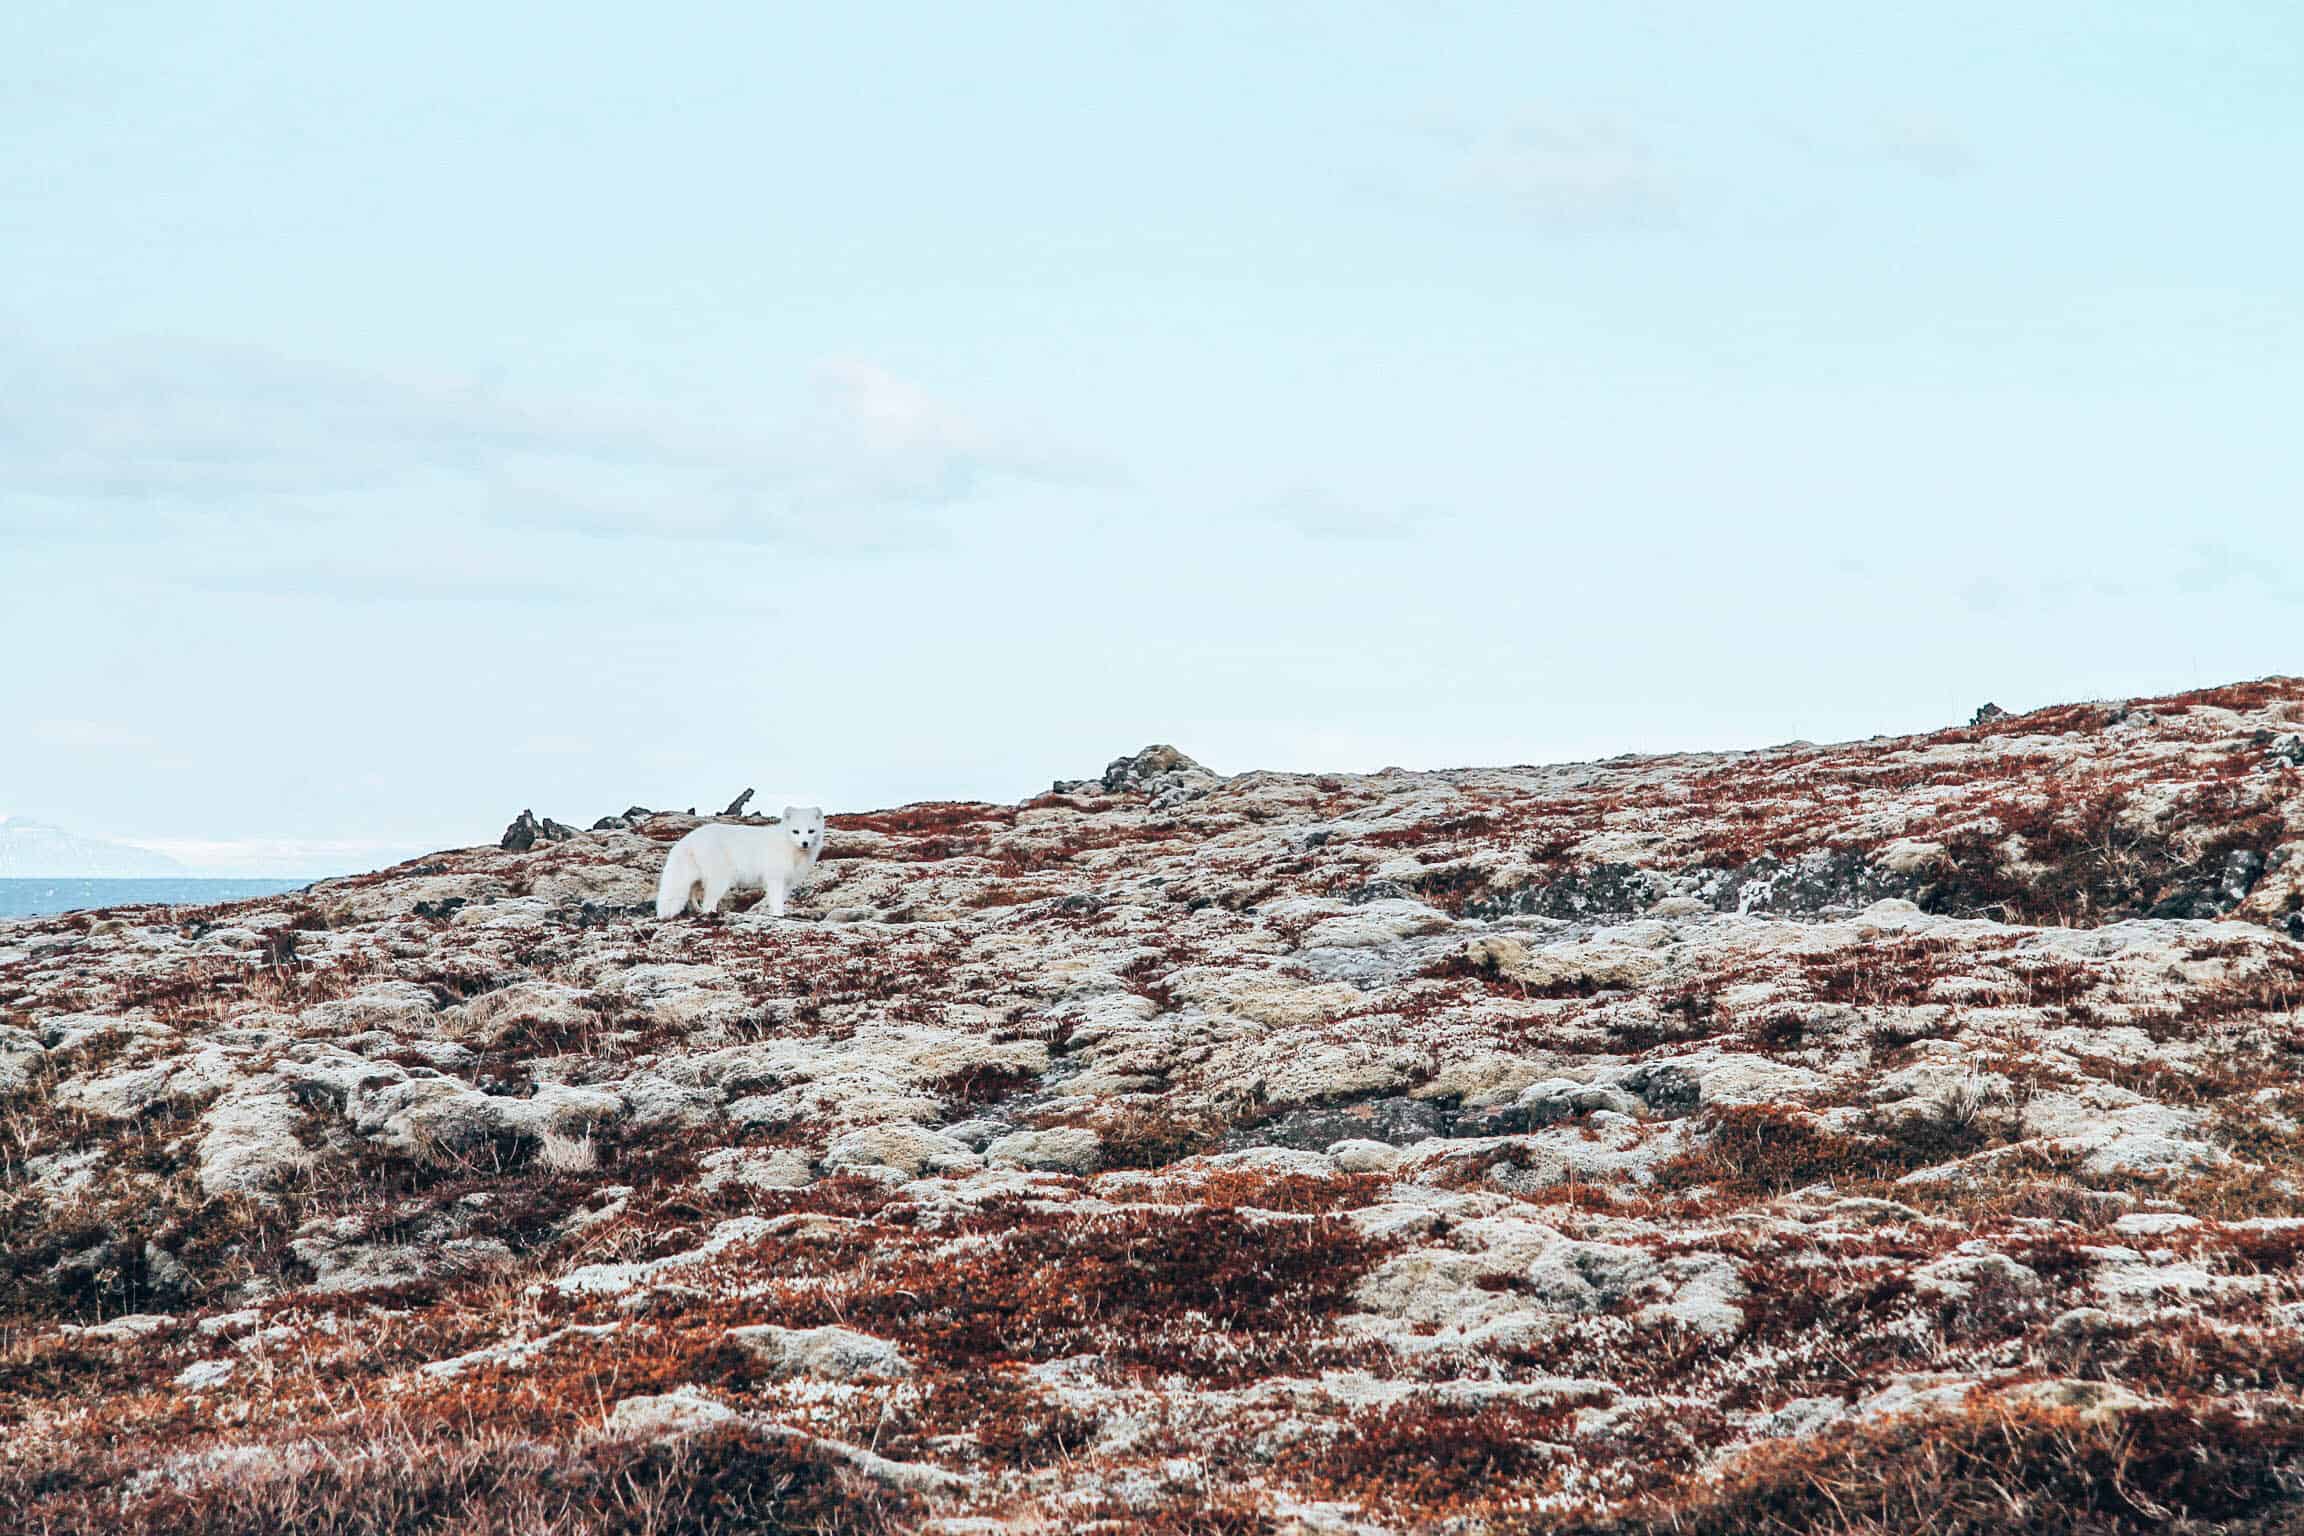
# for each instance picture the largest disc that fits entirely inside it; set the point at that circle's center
(36, 897)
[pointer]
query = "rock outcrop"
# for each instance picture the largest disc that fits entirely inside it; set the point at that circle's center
(1704, 1142)
(527, 830)
(1160, 772)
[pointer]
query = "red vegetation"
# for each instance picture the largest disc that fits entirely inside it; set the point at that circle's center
(2003, 1469)
(932, 816)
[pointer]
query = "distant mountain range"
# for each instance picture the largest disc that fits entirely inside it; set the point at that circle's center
(33, 849)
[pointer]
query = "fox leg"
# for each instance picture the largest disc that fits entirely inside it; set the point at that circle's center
(775, 898)
(714, 889)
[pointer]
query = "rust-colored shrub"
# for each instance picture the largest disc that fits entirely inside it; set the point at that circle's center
(396, 1482)
(983, 1083)
(1474, 826)
(1998, 1470)
(1765, 1149)
(1489, 977)
(1214, 1294)
(2091, 866)
(1150, 1135)
(929, 816)
(1433, 1458)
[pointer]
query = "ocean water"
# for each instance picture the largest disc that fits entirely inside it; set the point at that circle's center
(37, 896)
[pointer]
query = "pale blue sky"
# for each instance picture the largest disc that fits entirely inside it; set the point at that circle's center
(413, 415)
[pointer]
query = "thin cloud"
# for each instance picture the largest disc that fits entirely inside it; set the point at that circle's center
(371, 554)
(1322, 514)
(1914, 143)
(192, 421)
(1570, 187)
(1568, 175)
(1926, 147)
(2211, 568)
(277, 856)
(86, 736)
(96, 443)
(364, 579)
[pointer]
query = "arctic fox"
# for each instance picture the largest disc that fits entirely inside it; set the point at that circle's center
(721, 858)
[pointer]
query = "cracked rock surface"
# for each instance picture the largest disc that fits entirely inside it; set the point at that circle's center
(1685, 1142)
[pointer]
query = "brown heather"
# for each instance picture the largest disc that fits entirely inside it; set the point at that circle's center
(1906, 1135)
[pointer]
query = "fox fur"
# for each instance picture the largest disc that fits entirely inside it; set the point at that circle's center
(720, 857)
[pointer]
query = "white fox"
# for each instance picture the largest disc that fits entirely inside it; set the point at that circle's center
(720, 857)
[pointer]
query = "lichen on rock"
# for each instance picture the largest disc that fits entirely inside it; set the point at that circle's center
(1586, 1147)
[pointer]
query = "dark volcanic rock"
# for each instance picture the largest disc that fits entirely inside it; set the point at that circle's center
(2222, 889)
(1668, 1090)
(1813, 885)
(527, 830)
(1399, 1121)
(1494, 1120)
(1010, 1147)
(1605, 890)
(1158, 770)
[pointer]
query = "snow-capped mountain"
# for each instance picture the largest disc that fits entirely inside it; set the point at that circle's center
(35, 849)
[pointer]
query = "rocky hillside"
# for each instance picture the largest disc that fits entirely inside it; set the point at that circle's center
(1904, 1134)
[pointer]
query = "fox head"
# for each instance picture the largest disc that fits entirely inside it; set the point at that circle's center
(804, 824)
